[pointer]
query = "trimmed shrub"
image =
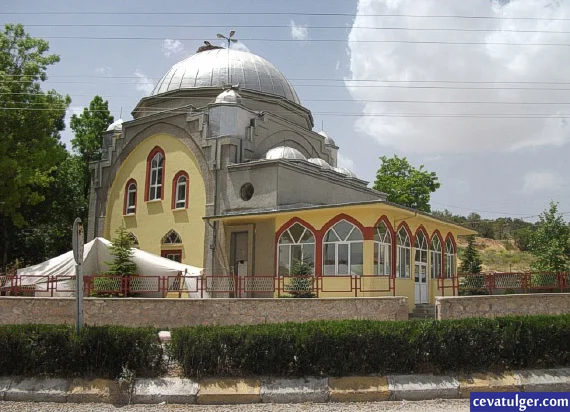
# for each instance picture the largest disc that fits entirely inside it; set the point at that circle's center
(99, 351)
(338, 348)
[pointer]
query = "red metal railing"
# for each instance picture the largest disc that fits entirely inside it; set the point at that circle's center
(513, 282)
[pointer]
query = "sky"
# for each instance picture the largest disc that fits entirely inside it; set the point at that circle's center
(481, 100)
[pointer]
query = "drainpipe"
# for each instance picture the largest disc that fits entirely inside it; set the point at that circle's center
(215, 226)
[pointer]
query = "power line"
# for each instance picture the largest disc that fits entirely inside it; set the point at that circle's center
(259, 13)
(433, 42)
(276, 26)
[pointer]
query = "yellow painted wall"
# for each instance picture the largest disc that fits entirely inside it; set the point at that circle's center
(154, 219)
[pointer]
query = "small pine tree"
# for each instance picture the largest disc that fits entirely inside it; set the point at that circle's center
(301, 285)
(121, 249)
(550, 244)
(471, 262)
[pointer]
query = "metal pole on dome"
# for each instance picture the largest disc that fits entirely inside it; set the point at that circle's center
(230, 40)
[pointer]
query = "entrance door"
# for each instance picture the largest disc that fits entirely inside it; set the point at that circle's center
(421, 283)
(239, 249)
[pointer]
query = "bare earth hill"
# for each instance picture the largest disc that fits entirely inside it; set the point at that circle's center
(498, 255)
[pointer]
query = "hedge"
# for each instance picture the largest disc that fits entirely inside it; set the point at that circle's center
(99, 351)
(340, 348)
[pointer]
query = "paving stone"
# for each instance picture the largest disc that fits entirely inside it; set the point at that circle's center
(169, 390)
(423, 387)
(294, 390)
(37, 390)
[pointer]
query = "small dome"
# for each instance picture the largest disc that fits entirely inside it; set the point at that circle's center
(284, 152)
(345, 172)
(116, 126)
(328, 140)
(320, 162)
(229, 96)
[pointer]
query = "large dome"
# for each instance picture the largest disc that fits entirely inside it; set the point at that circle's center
(210, 69)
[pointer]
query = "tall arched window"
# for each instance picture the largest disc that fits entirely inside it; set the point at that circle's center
(180, 191)
(382, 250)
(403, 254)
(449, 259)
(435, 257)
(421, 248)
(296, 244)
(130, 198)
(342, 247)
(155, 175)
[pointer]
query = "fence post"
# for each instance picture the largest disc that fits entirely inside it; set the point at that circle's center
(51, 284)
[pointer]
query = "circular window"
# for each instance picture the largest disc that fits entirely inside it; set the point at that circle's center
(246, 191)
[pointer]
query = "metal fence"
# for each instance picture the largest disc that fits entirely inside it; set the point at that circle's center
(513, 282)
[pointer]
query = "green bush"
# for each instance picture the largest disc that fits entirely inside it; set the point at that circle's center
(102, 351)
(338, 348)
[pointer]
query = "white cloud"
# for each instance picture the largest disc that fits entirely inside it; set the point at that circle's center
(299, 31)
(144, 83)
(236, 46)
(460, 63)
(105, 70)
(172, 47)
(343, 161)
(541, 182)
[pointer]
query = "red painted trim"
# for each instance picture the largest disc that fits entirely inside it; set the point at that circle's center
(384, 219)
(408, 230)
(340, 217)
(450, 236)
(149, 158)
(436, 233)
(174, 184)
(444, 252)
(130, 182)
(287, 225)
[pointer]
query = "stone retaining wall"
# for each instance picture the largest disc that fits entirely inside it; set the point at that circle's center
(168, 313)
(458, 307)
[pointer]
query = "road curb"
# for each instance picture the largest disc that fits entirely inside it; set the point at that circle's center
(214, 391)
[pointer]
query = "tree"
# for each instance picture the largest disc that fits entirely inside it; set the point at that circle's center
(404, 184)
(89, 128)
(471, 261)
(550, 243)
(30, 147)
(302, 280)
(122, 250)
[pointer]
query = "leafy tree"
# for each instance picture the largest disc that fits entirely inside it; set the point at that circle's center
(89, 128)
(471, 261)
(302, 280)
(404, 184)
(522, 238)
(122, 250)
(30, 147)
(550, 244)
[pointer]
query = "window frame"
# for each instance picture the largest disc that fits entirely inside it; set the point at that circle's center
(175, 190)
(349, 244)
(149, 185)
(126, 203)
(450, 259)
(289, 247)
(407, 250)
(380, 245)
(436, 258)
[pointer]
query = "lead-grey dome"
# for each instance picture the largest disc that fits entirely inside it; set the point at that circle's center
(210, 69)
(284, 152)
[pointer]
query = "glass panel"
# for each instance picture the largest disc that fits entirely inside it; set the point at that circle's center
(355, 235)
(380, 233)
(343, 229)
(308, 237)
(403, 239)
(329, 259)
(158, 192)
(296, 254)
(153, 174)
(356, 258)
(131, 201)
(435, 245)
(417, 273)
(152, 195)
(285, 238)
(331, 236)
(181, 192)
(283, 260)
(388, 257)
(309, 255)
(160, 160)
(159, 176)
(296, 232)
(343, 259)
(377, 258)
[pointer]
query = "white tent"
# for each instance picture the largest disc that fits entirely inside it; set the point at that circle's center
(95, 254)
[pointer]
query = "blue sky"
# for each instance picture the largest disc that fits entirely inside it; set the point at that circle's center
(493, 166)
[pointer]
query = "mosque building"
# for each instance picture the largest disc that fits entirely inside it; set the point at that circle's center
(221, 169)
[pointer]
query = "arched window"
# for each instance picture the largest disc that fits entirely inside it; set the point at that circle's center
(343, 250)
(134, 240)
(382, 250)
(130, 198)
(180, 191)
(155, 175)
(421, 248)
(296, 244)
(171, 238)
(449, 259)
(403, 254)
(435, 252)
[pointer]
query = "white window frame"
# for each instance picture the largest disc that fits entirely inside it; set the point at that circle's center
(383, 244)
(155, 187)
(449, 259)
(296, 242)
(404, 248)
(131, 209)
(181, 204)
(435, 258)
(349, 244)
(421, 247)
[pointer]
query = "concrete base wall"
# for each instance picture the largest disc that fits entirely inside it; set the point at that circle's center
(458, 307)
(168, 313)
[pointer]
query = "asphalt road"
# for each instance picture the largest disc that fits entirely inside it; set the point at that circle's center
(426, 406)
